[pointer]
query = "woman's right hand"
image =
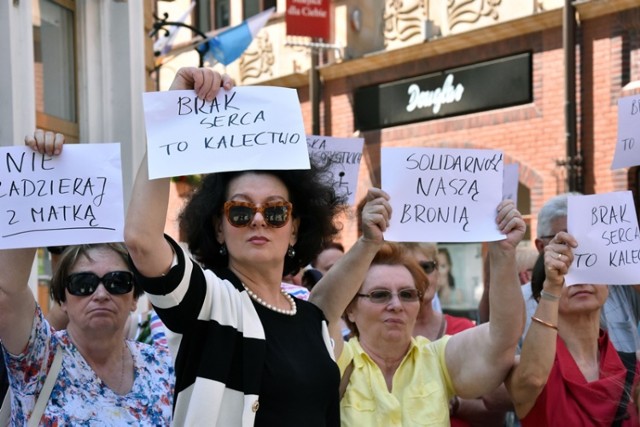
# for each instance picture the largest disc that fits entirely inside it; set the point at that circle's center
(558, 256)
(49, 143)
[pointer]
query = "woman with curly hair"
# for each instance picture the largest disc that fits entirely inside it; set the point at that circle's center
(245, 352)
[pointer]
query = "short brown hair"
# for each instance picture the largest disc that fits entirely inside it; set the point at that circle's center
(70, 257)
(395, 254)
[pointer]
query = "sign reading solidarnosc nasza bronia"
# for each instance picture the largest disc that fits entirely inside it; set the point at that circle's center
(442, 195)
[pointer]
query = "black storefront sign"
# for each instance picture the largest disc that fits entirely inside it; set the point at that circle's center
(484, 86)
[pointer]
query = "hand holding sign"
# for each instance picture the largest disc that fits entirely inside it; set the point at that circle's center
(558, 257)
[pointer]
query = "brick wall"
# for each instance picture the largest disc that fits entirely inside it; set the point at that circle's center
(533, 134)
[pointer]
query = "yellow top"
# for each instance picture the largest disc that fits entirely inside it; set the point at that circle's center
(420, 394)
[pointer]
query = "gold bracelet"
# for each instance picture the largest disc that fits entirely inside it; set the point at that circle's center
(549, 296)
(542, 322)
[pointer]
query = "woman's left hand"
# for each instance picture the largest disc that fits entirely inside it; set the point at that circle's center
(510, 222)
(49, 143)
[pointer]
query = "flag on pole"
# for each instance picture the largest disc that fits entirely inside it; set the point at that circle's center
(164, 43)
(230, 44)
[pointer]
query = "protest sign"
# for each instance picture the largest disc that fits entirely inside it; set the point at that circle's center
(345, 155)
(627, 151)
(245, 128)
(442, 195)
(606, 228)
(61, 200)
(510, 184)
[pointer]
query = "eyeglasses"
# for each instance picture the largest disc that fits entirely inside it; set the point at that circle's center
(383, 296)
(428, 266)
(240, 214)
(85, 284)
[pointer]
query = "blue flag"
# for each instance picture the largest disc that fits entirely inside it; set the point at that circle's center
(231, 43)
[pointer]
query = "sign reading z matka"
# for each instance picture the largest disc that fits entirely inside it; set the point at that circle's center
(72, 198)
(242, 129)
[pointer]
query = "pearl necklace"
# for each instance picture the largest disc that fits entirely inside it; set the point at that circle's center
(256, 298)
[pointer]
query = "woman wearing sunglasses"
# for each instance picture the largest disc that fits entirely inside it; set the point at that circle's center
(245, 352)
(103, 379)
(388, 376)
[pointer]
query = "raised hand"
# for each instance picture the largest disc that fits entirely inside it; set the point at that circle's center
(510, 223)
(205, 81)
(375, 215)
(558, 256)
(49, 143)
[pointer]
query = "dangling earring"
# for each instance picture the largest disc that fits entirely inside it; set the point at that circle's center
(291, 252)
(223, 249)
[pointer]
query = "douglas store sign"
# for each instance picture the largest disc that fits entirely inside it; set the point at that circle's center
(494, 84)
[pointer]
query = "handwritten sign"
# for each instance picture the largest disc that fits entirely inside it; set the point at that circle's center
(344, 155)
(606, 228)
(510, 183)
(442, 195)
(628, 146)
(68, 199)
(245, 128)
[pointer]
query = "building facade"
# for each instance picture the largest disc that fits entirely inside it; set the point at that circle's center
(75, 67)
(540, 81)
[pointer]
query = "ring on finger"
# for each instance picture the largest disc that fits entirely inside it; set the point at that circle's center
(559, 256)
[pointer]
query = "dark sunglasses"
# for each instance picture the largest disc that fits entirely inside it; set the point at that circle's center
(85, 284)
(240, 214)
(428, 266)
(56, 250)
(383, 296)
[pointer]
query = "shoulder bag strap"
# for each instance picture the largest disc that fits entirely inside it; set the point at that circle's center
(5, 411)
(344, 381)
(629, 361)
(45, 393)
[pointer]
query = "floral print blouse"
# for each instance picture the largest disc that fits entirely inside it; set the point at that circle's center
(79, 397)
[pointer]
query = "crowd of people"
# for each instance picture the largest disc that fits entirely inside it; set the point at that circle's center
(261, 317)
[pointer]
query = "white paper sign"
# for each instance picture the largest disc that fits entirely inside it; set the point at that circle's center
(628, 145)
(606, 228)
(345, 155)
(68, 199)
(510, 184)
(245, 128)
(442, 195)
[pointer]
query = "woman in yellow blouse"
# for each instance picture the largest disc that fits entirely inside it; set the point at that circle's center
(392, 378)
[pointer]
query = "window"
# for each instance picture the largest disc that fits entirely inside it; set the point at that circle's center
(212, 14)
(252, 7)
(222, 13)
(55, 66)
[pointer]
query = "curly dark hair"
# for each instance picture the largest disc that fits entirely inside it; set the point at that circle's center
(314, 200)
(71, 254)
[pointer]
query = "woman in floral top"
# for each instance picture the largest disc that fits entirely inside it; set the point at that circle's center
(104, 380)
